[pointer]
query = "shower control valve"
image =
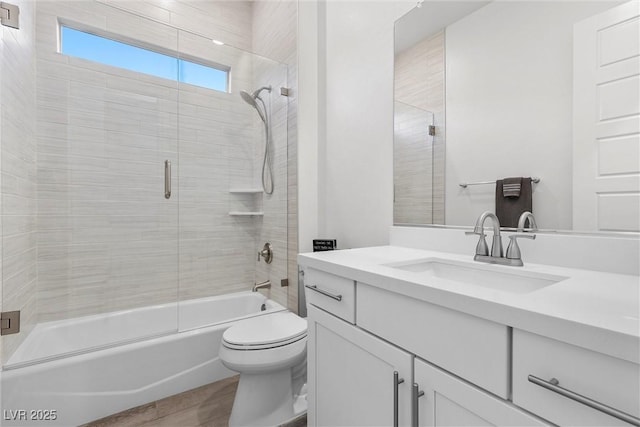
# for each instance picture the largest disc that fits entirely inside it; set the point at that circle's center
(266, 253)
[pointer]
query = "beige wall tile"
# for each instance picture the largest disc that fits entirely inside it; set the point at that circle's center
(86, 226)
(18, 177)
(418, 157)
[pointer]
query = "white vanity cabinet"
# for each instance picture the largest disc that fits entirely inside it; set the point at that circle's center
(354, 378)
(570, 385)
(444, 337)
(450, 401)
(331, 293)
(383, 356)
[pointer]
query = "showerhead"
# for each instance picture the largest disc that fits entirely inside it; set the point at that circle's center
(248, 98)
(251, 99)
(267, 168)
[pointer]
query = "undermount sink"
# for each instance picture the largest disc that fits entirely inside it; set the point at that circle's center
(470, 274)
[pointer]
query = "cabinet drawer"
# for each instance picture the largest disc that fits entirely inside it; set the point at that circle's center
(449, 401)
(598, 377)
(331, 293)
(467, 346)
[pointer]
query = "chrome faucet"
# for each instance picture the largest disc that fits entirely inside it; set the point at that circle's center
(513, 256)
(523, 219)
(262, 285)
(496, 245)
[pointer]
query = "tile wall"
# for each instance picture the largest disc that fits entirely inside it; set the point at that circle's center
(420, 83)
(209, 135)
(412, 165)
(107, 238)
(18, 178)
(274, 36)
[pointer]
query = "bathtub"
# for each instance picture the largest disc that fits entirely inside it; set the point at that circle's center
(53, 375)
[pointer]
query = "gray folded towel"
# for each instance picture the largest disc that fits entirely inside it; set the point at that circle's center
(511, 187)
(509, 208)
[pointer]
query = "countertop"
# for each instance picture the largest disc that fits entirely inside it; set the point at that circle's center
(594, 310)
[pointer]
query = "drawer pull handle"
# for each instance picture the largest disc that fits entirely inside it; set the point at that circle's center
(554, 385)
(415, 413)
(323, 292)
(396, 382)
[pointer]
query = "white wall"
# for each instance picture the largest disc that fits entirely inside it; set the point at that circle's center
(348, 194)
(511, 114)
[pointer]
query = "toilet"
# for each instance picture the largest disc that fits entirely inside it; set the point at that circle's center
(270, 353)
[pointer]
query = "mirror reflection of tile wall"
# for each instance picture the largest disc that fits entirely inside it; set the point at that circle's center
(420, 86)
(420, 83)
(412, 165)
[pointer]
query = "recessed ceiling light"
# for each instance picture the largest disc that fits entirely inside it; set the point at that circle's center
(218, 42)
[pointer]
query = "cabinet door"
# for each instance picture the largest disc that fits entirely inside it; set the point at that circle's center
(351, 376)
(450, 401)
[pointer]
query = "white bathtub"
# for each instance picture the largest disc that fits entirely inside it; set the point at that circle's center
(93, 384)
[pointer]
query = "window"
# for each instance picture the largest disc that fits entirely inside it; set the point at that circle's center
(117, 54)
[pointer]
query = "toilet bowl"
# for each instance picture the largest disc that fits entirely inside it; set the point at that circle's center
(270, 354)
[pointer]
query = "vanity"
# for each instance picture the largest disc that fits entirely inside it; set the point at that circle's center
(417, 333)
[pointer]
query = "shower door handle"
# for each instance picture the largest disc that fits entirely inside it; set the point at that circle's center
(167, 179)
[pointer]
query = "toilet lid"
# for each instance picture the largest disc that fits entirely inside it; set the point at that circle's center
(270, 330)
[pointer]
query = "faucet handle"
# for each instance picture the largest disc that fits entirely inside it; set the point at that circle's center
(513, 250)
(481, 247)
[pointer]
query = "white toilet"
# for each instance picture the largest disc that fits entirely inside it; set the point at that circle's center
(270, 353)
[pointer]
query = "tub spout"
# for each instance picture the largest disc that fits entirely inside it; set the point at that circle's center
(262, 285)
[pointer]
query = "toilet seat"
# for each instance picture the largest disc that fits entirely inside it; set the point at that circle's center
(269, 352)
(265, 332)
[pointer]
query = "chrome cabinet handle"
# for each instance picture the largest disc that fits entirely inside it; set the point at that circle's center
(554, 385)
(417, 394)
(396, 382)
(167, 179)
(323, 292)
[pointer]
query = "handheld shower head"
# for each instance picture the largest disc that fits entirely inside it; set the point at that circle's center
(256, 93)
(248, 98)
(252, 98)
(267, 168)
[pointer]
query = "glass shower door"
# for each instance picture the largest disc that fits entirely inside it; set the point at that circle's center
(413, 164)
(101, 193)
(226, 217)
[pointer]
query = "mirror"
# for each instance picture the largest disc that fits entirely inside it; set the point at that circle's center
(492, 90)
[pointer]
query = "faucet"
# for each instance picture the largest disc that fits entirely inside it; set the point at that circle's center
(496, 245)
(262, 285)
(513, 256)
(523, 219)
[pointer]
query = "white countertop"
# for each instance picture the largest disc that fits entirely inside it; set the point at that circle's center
(595, 310)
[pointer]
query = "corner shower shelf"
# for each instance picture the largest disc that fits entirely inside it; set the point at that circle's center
(242, 213)
(252, 205)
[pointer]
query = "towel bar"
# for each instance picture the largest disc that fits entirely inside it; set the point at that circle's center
(466, 184)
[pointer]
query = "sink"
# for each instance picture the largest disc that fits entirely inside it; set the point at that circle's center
(521, 282)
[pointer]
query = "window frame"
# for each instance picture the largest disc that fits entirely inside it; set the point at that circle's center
(179, 57)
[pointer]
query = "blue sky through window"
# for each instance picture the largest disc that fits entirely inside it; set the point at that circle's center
(122, 55)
